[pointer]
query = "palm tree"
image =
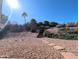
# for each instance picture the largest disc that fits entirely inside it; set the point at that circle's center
(24, 15)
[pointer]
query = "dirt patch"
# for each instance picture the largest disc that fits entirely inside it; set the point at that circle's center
(27, 46)
(70, 45)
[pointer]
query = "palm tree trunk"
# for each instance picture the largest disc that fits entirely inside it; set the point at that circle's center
(25, 20)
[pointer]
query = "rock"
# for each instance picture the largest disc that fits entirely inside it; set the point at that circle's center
(51, 44)
(45, 41)
(68, 55)
(59, 48)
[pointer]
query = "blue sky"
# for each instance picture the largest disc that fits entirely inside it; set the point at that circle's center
(61, 11)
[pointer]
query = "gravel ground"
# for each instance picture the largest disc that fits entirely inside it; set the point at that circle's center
(70, 45)
(26, 45)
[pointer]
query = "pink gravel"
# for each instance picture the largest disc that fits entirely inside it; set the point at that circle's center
(26, 45)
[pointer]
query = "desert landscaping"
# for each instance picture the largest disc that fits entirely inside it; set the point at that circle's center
(26, 45)
(38, 29)
(39, 40)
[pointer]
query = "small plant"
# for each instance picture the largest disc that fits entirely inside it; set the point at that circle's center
(50, 35)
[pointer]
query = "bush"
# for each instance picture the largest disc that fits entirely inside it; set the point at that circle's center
(50, 35)
(33, 30)
(54, 35)
(71, 36)
(46, 33)
(62, 34)
(2, 33)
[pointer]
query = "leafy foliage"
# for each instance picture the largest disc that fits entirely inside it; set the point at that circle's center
(24, 15)
(46, 23)
(33, 25)
(53, 24)
(62, 34)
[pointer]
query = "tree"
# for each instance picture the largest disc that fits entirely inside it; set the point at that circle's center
(46, 23)
(53, 24)
(28, 27)
(76, 24)
(24, 15)
(33, 25)
(40, 24)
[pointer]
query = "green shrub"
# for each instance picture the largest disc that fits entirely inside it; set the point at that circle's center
(45, 33)
(62, 34)
(71, 36)
(54, 35)
(50, 35)
(2, 34)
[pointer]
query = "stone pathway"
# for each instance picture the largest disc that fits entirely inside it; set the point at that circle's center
(63, 50)
(68, 55)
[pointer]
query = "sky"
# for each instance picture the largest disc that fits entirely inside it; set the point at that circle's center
(61, 11)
